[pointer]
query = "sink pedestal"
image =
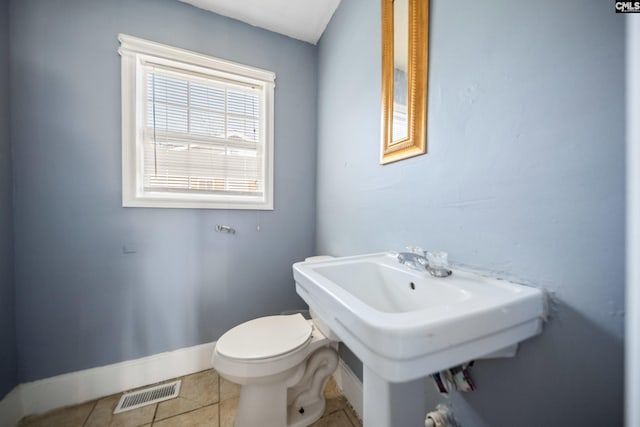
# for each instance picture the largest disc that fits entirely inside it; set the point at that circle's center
(387, 404)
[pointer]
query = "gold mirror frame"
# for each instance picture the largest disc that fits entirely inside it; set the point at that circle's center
(415, 143)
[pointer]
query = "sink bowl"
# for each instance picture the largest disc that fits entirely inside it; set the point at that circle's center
(405, 324)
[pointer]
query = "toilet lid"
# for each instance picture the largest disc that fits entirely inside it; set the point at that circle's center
(265, 337)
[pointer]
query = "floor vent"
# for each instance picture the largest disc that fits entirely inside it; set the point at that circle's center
(147, 396)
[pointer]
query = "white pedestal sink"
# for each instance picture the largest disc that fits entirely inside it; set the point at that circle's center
(404, 324)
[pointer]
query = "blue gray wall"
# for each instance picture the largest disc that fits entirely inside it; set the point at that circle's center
(8, 360)
(524, 178)
(84, 302)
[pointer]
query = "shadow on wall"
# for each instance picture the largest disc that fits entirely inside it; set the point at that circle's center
(566, 346)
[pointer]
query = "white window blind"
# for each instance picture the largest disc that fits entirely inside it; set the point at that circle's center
(202, 138)
(201, 135)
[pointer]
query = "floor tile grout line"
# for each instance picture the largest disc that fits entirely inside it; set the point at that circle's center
(200, 405)
(95, 403)
(347, 410)
(349, 419)
(186, 412)
(155, 413)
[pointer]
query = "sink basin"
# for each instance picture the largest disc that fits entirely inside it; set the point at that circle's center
(405, 324)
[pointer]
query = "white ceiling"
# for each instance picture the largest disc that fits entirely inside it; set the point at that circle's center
(304, 20)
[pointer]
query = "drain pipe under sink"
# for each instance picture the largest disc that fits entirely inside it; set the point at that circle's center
(441, 417)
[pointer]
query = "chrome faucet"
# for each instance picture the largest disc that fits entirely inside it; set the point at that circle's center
(414, 259)
(418, 259)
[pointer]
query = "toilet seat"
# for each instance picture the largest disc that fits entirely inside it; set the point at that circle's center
(265, 338)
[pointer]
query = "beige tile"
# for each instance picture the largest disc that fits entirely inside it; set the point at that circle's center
(335, 404)
(201, 387)
(103, 416)
(228, 390)
(228, 408)
(73, 416)
(197, 390)
(353, 417)
(204, 417)
(334, 399)
(133, 418)
(179, 405)
(337, 419)
(103, 411)
(194, 407)
(331, 389)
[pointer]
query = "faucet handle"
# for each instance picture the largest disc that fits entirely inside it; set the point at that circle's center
(438, 264)
(416, 250)
(438, 259)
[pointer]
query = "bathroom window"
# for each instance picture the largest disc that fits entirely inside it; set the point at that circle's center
(197, 131)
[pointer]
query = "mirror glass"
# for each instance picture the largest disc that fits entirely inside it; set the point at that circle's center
(400, 68)
(405, 30)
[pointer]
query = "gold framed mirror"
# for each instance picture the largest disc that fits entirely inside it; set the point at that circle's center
(405, 41)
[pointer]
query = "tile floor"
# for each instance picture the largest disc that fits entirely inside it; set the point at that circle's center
(205, 399)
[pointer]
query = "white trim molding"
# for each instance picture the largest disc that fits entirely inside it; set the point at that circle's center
(11, 408)
(350, 385)
(632, 317)
(81, 386)
(196, 61)
(138, 57)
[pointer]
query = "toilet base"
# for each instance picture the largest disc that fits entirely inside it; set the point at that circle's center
(312, 413)
(256, 409)
(297, 401)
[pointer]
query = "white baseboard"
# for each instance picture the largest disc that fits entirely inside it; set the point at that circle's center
(350, 385)
(11, 408)
(81, 386)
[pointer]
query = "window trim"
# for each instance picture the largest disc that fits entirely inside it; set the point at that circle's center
(134, 53)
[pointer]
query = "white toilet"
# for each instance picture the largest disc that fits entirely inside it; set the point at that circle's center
(282, 364)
